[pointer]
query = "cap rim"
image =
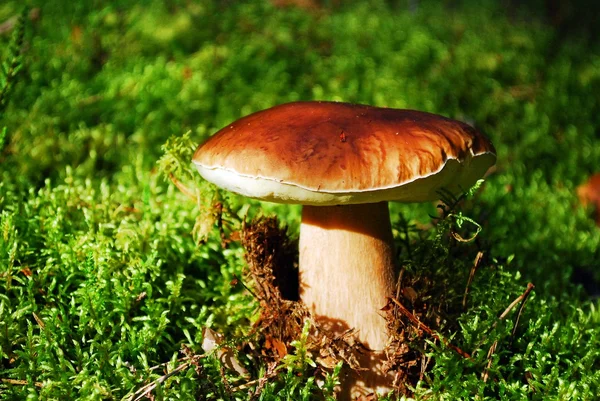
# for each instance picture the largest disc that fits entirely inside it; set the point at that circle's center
(453, 175)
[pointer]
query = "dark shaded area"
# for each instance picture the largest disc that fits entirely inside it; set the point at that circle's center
(574, 20)
(370, 219)
(586, 277)
(272, 259)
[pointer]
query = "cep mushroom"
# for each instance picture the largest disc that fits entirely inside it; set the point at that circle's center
(344, 162)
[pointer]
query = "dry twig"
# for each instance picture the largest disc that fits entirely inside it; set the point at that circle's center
(183, 188)
(270, 373)
(144, 391)
(485, 374)
(525, 295)
(476, 264)
(522, 299)
(21, 382)
(421, 326)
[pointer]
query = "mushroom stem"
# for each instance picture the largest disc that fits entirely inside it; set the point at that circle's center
(346, 268)
(346, 273)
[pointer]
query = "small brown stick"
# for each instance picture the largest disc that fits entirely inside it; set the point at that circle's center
(530, 287)
(147, 389)
(420, 325)
(399, 282)
(471, 276)
(39, 321)
(246, 385)
(424, 363)
(225, 381)
(271, 372)
(486, 371)
(160, 365)
(237, 280)
(521, 298)
(185, 190)
(21, 382)
(144, 391)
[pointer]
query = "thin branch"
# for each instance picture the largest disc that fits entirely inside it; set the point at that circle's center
(185, 190)
(160, 365)
(144, 391)
(420, 325)
(271, 372)
(399, 282)
(424, 363)
(39, 321)
(21, 382)
(486, 371)
(476, 263)
(237, 280)
(530, 287)
(521, 298)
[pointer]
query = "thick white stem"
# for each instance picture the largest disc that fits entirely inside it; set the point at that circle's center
(346, 273)
(346, 267)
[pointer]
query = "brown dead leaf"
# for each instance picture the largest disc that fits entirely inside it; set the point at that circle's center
(589, 195)
(235, 236)
(277, 345)
(77, 34)
(187, 73)
(328, 362)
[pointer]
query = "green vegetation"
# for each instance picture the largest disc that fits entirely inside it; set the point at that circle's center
(109, 272)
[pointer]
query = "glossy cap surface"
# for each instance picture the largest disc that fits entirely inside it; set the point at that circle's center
(327, 153)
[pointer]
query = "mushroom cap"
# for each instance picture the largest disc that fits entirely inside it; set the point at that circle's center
(331, 153)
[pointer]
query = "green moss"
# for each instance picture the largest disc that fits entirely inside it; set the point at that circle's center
(107, 268)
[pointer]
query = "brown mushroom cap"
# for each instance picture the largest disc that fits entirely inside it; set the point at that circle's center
(328, 153)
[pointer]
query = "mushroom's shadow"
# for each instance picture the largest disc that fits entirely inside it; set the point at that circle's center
(369, 219)
(370, 376)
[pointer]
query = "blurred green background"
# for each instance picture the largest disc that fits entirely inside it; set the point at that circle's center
(100, 247)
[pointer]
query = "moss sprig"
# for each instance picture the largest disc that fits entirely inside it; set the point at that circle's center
(13, 64)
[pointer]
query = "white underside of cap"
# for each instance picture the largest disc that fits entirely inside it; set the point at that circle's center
(453, 176)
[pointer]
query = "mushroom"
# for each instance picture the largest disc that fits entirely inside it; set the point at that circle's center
(344, 162)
